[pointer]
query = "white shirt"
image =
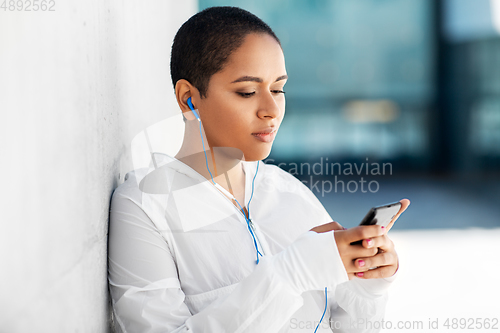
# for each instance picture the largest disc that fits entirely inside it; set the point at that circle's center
(182, 259)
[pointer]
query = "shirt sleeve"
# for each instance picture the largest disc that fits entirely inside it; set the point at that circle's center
(147, 296)
(357, 305)
(360, 305)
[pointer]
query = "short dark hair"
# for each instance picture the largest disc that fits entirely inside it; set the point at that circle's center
(204, 43)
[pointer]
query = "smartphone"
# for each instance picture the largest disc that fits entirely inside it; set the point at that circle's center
(381, 215)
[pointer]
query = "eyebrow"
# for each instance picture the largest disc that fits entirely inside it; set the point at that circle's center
(257, 79)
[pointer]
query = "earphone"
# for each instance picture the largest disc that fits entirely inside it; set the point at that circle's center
(190, 104)
(192, 109)
(220, 188)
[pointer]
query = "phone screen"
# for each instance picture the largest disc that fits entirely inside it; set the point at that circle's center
(381, 215)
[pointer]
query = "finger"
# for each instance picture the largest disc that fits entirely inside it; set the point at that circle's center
(370, 242)
(383, 242)
(404, 205)
(357, 265)
(379, 260)
(377, 273)
(363, 232)
(358, 251)
(352, 268)
(387, 245)
(328, 227)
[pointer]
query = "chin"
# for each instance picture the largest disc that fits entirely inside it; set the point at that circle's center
(257, 155)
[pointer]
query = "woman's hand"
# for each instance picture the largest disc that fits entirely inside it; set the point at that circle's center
(386, 260)
(376, 249)
(358, 258)
(349, 253)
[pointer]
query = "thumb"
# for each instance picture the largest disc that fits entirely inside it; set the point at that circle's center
(404, 204)
(328, 227)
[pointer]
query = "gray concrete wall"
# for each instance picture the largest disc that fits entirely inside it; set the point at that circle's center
(77, 84)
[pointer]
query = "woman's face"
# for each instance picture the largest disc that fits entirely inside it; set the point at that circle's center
(246, 98)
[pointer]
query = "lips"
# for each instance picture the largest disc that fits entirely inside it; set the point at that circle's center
(266, 130)
(265, 135)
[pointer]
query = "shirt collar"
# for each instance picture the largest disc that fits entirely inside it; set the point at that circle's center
(171, 162)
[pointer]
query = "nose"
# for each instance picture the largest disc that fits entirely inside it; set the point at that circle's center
(271, 106)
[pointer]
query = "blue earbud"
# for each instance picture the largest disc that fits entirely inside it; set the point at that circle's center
(192, 108)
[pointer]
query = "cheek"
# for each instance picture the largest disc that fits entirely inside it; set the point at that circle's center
(227, 125)
(282, 105)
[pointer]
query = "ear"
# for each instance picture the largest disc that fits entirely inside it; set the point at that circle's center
(183, 90)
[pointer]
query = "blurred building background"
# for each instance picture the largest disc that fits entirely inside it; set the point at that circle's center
(412, 83)
(416, 83)
(360, 78)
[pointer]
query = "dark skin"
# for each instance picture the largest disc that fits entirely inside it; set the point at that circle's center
(376, 249)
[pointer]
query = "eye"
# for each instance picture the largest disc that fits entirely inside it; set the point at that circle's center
(277, 91)
(245, 94)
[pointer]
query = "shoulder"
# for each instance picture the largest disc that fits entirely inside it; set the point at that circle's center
(272, 170)
(128, 196)
(276, 175)
(154, 179)
(285, 182)
(134, 200)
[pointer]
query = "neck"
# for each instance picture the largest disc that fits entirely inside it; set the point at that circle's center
(224, 162)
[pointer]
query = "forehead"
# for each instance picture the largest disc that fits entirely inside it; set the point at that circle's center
(260, 55)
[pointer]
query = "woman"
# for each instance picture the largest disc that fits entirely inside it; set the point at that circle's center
(192, 257)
